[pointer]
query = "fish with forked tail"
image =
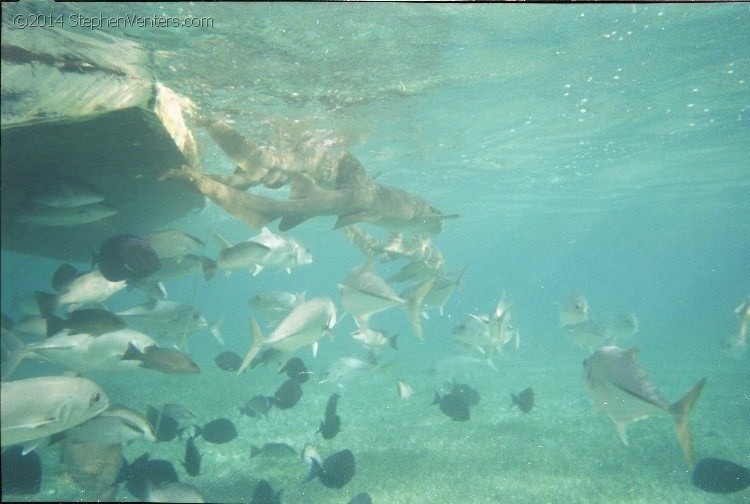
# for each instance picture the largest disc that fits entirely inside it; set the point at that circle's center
(619, 385)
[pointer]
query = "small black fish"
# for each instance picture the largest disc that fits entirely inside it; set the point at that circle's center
(21, 474)
(266, 356)
(295, 369)
(264, 494)
(720, 476)
(455, 406)
(288, 394)
(228, 361)
(524, 400)
(217, 431)
(258, 405)
(192, 463)
(142, 473)
(332, 423)
(166, 428)
(361, 498)
(336, 471)
(94, 321)
(273, 450)
(471, 395)
(126, 257)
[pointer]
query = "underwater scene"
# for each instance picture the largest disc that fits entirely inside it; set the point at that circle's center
(375, 253)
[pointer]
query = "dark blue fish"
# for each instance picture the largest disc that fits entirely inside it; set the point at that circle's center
(228, 361)
(336, 471)
(288, 394)
(142, 472)
(192, 463)
(217, 431)
(361, 498)
(331, 425)
(126, 257)
(264, 494)
(455, 406)
(720, 476)
(295, 369)
(21, 474)
(166, 428)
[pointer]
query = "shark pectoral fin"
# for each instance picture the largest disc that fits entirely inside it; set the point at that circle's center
(254, 349)
(288, 222)
(352, 218)
(621, 426)
(681, 411)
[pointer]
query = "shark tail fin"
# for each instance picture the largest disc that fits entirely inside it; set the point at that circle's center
(254, 348)
(681, 411)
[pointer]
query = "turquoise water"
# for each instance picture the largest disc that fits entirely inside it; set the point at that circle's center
(602, 150)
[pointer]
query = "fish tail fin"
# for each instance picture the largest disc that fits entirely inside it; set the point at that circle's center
(16, 352)
(414, 305)
(209, 267)
(315, 469)
(254, 349)
(47, 303)
(132, 353)
(216, 332)
(681, 411)
(436, 400)
(254, 450)
(513, 400)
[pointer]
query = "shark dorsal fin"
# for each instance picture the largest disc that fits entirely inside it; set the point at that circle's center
(351, 173)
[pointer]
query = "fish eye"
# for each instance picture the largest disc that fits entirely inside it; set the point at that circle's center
(95, 398)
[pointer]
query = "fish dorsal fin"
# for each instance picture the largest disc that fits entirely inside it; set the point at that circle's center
(223, 243)
(351, 173)
(264, 231)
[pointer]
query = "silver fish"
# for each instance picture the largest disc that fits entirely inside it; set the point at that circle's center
(276, 305)
(241, 256)
(172, 491)
(622, 326)
(65, 216)
(117, 424)
(305, 325)
(588, 335)
(173, 243)
(374, 340)
(284, 252)
(364, 293)
(67, 192)
(617, 384)
(79, 352)
(343, 368)
(574, 310)
(169, 321)
(88, 288)
(59, 403)
(736, 344)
